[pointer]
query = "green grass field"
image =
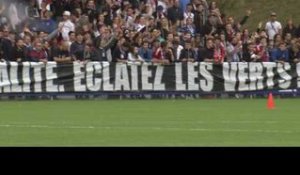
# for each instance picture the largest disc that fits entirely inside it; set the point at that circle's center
(149, 123)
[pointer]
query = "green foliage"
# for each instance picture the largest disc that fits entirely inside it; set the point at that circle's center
(261, 10)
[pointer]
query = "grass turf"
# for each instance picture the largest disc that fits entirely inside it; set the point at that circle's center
(149, 123)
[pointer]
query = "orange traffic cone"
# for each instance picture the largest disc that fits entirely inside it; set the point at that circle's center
(271, 104)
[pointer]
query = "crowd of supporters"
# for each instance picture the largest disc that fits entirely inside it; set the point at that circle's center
(158, 31)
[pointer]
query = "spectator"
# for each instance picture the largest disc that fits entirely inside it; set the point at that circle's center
(32, 10)
(230, 33)
(3, 17)
(295, 53)
(44, 9)
(62, 54)
(129, 18)
(273, 27)
(37, 54)
(214, 8)
(234, 50)
(262, 49)
(72, 38)
(177, 48)
(281, 54)
(6, 45)
(90, 10)
(120, 53)
(164, 28)
(188, 14)
(88, 53)
(250, 55)
(277, 40)
(168, 56)
(48, 49)
(158, 54)
(200, 18)
(66, 26)
(183, 4)
(47, 24)
(133, 55)
(104, 44)
(219, 51)
(213, 24)
(298, 32)
(290, 28)
(288, 39)
(27, 46)
(207, 54)
(145, 52)
(175, 15)
(77, 48)
(18, 53)
(189, 27)
(80, 20)
(157, 28)
(159, 13)
(237, 26)
(187, 54)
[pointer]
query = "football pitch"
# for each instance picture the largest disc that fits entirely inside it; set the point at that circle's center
(228, 122)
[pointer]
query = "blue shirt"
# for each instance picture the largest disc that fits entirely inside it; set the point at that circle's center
(183, 4)
(279, 55)
(47, 26)
(146, 54)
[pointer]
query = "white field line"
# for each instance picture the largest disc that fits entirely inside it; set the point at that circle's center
(147, 128)
(172, 122)
(250, 122)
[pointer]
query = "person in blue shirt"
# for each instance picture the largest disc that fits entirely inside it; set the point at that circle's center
(183, 4)
(145, 52)
(47, 25)
(281, 54)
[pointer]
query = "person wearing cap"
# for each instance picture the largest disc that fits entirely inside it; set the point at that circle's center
(66, 26)
(273, 26)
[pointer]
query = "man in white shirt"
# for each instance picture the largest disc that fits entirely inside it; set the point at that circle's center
(177, 48)
(163, 4)
(66, 26)
(273, 27)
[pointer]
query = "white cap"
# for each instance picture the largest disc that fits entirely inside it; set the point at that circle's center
(67, 13)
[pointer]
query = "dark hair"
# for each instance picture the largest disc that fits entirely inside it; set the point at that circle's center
(176, 42)
(126, 44)
(188, 42)
(70, 33)
(164, 44)
(144, 42)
